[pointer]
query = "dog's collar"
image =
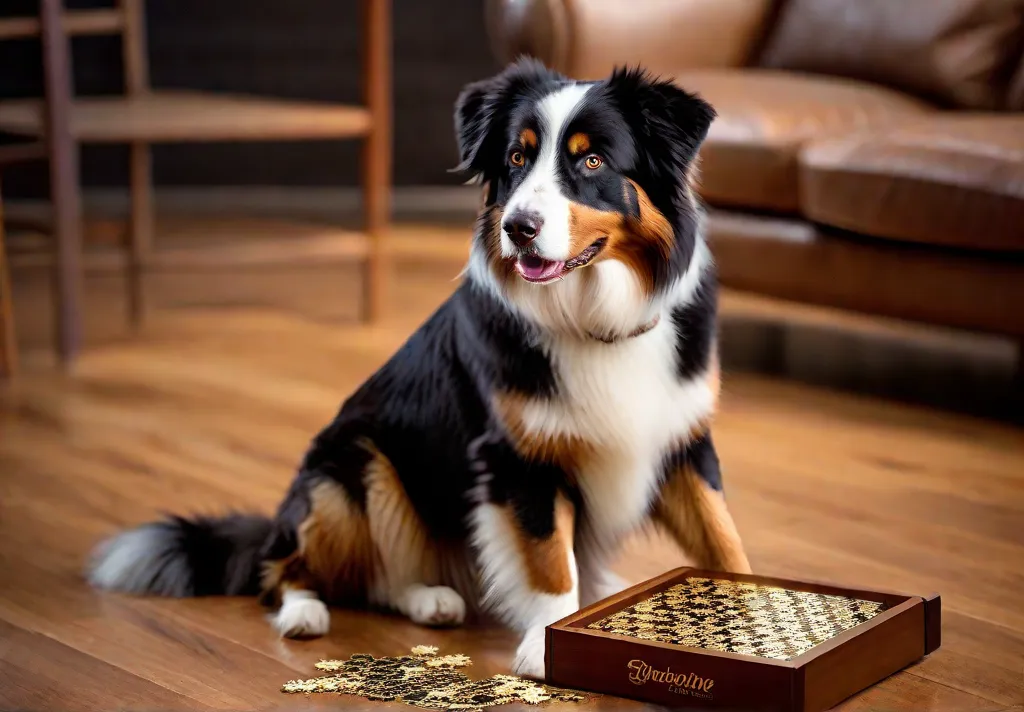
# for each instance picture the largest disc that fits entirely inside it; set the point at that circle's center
(639, 331)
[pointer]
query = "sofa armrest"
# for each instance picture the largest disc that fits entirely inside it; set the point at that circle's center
(586, 39)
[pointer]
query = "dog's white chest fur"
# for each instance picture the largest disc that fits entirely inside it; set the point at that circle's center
(627, 403)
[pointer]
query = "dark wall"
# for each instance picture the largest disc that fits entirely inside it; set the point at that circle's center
(302, 48)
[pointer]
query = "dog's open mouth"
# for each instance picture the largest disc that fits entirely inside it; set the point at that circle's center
(534, 268)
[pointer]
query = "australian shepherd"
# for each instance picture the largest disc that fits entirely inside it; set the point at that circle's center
(560, 399)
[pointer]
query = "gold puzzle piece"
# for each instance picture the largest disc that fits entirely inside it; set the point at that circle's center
(426, 680)
(739, 617)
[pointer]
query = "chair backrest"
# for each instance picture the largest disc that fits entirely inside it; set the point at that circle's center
(126, 18)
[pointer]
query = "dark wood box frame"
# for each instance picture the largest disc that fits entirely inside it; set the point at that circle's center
(586, 659)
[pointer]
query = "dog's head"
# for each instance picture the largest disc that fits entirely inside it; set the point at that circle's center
(587, 192)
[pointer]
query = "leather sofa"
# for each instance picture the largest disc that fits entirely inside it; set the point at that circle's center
(868, 155)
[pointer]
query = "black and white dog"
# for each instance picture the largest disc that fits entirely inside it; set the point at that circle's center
(560, 399)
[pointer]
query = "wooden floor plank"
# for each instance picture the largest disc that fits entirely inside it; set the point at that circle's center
(139, 637)
(38, 673)
(983, 659)
(907, 692)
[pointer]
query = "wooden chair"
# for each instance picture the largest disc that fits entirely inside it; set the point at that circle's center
(56, 144)
(144, 116)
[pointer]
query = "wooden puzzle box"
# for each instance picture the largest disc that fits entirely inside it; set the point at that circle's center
(711, 640)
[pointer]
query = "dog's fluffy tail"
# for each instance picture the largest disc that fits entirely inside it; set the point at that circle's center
(182, 557)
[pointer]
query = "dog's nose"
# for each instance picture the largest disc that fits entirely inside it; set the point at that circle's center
(522, 228)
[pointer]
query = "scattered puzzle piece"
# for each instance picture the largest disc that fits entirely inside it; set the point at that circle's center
(426, 680)
(450, 661)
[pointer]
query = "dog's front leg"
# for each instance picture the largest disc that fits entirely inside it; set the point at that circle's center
(692, 508)
(522, 526)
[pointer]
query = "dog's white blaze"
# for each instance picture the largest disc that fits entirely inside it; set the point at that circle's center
(507, 589)
(540, 193)
(626, 400)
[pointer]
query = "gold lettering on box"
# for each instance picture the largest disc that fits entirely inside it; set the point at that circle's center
(681, 683)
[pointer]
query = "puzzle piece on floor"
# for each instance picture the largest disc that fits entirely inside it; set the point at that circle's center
(425, 679)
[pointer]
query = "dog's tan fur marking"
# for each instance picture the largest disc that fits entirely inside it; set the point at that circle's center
(587, 225)
(528, 137)
(335, 555)
(546, 560)
(643, 241)
(335, 543)
(289, 574)
(405, 553)
(567, 451)
(578, 143)
(638, 242)
(697, 518)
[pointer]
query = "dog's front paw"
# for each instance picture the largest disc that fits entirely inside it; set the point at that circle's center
(529, 661)
(432, 605)
(302, 615)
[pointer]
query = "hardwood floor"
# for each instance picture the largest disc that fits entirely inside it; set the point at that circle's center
(211, 409)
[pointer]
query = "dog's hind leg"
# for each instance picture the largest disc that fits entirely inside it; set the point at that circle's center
(321, 552)
(301, 613)
(407, 567)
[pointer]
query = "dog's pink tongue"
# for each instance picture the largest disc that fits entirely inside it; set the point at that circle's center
(538, 269)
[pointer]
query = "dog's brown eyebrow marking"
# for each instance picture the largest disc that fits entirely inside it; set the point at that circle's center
(578, 143)
(528, 137)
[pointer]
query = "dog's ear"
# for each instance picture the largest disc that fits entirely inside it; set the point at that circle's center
(482, 113)
(473, 116)
(670, 124)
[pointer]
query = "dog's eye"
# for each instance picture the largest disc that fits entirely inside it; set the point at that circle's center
(593, 162)
(516, 158)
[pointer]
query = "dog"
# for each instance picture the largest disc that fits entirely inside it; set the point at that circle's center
(560, 399)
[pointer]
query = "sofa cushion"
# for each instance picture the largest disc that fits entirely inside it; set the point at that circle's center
(662, 35)
(955, 180)
(750, 157)
(958, 52)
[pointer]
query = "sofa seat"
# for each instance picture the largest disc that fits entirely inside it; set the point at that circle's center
(952, 179)
(765, 117)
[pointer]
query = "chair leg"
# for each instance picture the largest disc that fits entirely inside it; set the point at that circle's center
(64, 185)
(140, 229)
(377, 151)
(8, 341)
(67, 203)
